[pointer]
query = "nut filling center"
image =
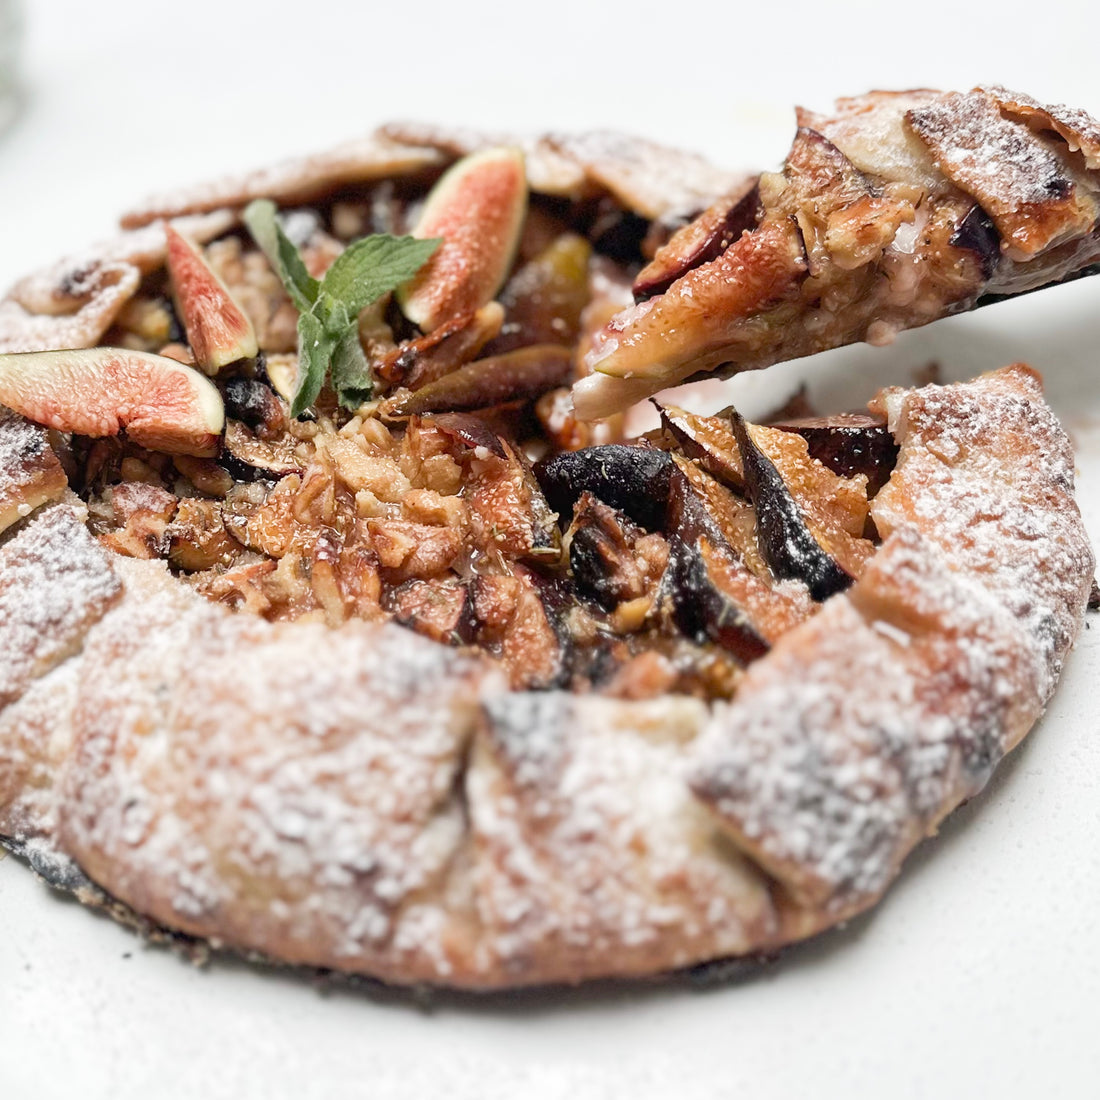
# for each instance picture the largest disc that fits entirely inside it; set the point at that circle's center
(463, 500)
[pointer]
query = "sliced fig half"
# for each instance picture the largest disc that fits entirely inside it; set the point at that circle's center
(713, 592)
(218, 330)
(97, 392)
(477, 208)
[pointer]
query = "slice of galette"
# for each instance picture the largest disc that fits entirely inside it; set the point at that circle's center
(897, 209)
(327, 633)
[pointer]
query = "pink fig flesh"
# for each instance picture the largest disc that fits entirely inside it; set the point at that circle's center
(163, 405)
(218, 330)
(477, 209)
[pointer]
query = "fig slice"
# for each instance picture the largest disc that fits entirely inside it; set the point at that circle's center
(543, 301)
(416, 363)
(713, 591)
(97, 392)
(477, 208)
(515, 376)
(849, 444)
(708, 440)
(701, 240)
(786, 541)
(218, 330)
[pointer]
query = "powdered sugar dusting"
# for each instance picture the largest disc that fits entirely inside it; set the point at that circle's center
(593, 856)
(986, 473)
(849, 742)
(1076, 127)
(35, 739)
(55, 582)
(280, 787)
(1028, 189)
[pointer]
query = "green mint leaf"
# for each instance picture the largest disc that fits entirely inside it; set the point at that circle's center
(373, 266)
(351, 374)
(332, 314)
(260, 217)
(314, 355)
(328, 310)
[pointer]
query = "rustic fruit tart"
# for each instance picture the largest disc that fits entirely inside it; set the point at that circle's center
(343, 623)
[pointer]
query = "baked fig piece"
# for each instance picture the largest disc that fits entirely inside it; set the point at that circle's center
(713, 589)
(785, 538)
(897, 209)
(519, 375)
(634, 479)
(708, 440)
(848, 443)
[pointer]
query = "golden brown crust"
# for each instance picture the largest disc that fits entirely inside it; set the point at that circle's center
(30, 471)
(1023, 181)
(863, 728)
(74, 302)
(298, 180)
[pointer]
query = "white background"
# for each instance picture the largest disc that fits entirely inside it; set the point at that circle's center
(980, 974)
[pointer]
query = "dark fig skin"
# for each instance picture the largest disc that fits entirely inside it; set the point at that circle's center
(519, 375)
(704, 576)
(786, 542)
(633, 479)
(253, 403)
(701, 608)
(699, 243)
(977, 233)
(849, 444)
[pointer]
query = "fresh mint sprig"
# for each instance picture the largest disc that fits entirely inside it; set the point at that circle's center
(329, 308)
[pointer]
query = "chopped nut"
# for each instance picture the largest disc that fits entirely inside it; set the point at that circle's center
(414, 549)
(197, 538)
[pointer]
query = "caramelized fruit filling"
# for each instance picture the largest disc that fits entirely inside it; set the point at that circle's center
(666, 563)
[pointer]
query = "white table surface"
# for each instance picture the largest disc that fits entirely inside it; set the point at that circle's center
(980, 973)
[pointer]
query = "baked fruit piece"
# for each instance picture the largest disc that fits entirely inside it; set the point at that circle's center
(368, 690)
(895, 210)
